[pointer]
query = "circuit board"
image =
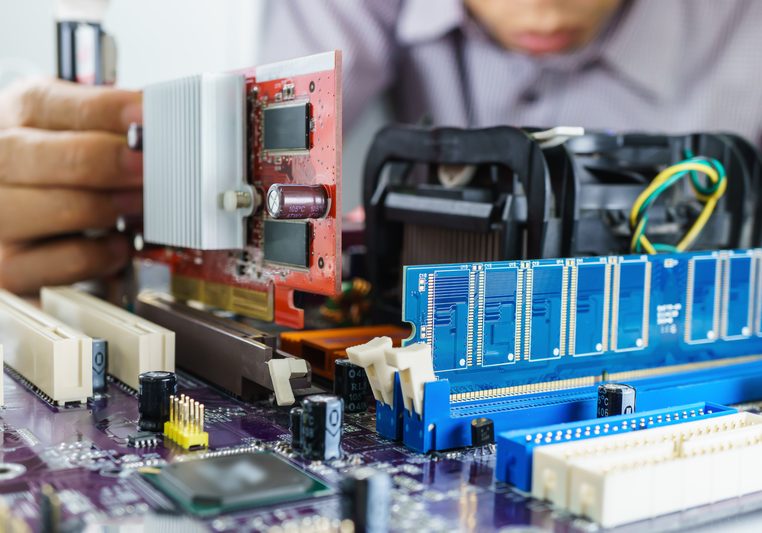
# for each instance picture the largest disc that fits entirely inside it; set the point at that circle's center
(497, 327)
(293, 138)
(83, 453)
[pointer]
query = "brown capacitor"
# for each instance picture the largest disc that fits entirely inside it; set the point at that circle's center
(297, 201)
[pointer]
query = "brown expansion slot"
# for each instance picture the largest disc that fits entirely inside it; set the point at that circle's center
(221, 351)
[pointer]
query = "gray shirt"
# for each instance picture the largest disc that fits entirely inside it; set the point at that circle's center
(660, 65)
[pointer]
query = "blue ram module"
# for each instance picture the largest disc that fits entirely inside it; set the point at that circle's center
(525, 343)
(515, 448)
(498, 327)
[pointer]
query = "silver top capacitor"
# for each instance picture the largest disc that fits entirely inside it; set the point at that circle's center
(615, 399)
(296, 201)
(322, 416)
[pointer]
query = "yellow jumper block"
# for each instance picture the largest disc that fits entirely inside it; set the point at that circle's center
(186, 423)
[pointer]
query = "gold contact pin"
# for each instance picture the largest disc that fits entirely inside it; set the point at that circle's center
(186, 422)
(187, 413)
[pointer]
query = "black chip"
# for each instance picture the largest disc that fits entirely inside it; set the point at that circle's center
(287, 128)
(287, 243)
(207, 487)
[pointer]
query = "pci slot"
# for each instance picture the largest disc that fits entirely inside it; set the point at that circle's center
(515, 449)
(629, 477)
(53, 357)
(240, 352)
(135, 344)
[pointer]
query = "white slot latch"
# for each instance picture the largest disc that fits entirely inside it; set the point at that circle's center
(281, 372)
(416, 367)
(372, 357)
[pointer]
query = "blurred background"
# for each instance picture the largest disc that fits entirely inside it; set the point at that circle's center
(161, 40)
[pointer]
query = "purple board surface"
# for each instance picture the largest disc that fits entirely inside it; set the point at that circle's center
(82, 452)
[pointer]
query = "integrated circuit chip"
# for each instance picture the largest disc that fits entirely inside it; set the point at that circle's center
(286, 127)
(207, 487)
(287, 243)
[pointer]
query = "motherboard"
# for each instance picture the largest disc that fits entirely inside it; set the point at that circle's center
(99, 468)
(579, 394)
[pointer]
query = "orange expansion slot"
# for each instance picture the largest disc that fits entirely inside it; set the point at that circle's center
(321, 347)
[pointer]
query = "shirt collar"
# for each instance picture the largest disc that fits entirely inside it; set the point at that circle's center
(643, 45)
(641, 42)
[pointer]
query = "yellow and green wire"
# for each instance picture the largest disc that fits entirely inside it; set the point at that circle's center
(707, 193)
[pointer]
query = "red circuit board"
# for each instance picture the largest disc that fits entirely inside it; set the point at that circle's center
(229, 279)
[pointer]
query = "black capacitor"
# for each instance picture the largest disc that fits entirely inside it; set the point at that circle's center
(295, 419)
(615, 399)
(322, 415)
(365, 500)
(153, 400)
(286, 201)
(482, 432)
(100, 364)
(350, 383)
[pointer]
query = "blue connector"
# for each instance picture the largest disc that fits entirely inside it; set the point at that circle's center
(389, 417)
(515, 448)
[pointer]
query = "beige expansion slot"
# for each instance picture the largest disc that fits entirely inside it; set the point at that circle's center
(135, 344)
(56, 359)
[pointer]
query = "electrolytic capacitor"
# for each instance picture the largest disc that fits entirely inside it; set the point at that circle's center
(351, 385)
(100, 364)
(365, 500)
(295, 422)
(297, 201)
(153, 400)
(322, 415)
(615, 399)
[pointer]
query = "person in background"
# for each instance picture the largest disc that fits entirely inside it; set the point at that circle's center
(650, 65)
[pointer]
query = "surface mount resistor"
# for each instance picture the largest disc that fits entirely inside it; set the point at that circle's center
(297, 201)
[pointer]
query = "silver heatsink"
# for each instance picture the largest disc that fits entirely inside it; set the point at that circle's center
(194, 155)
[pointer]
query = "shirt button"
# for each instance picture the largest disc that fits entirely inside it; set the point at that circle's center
(529, 97)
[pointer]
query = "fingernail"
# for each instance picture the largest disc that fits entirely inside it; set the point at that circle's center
(128, 203)
(132, 113)
(132, 163)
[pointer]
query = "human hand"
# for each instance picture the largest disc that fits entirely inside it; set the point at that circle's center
(65, 168)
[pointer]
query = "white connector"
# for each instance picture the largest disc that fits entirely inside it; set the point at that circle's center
(135, 344)
(416, 367)
(56, 359)
(281, 372)
(624, 478)
(372, 357)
